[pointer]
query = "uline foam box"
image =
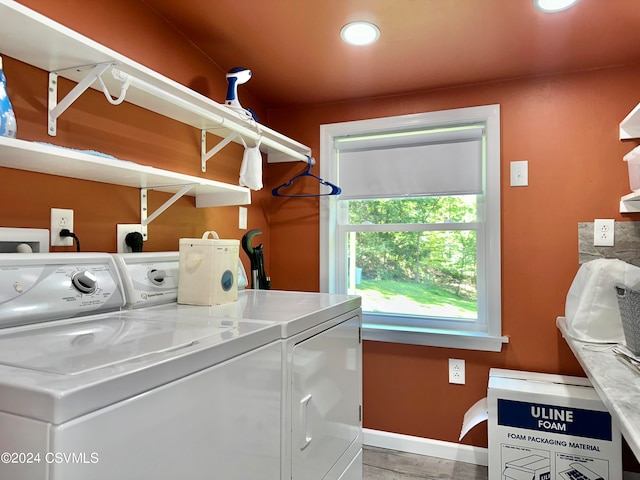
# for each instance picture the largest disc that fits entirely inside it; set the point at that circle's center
(547, 427)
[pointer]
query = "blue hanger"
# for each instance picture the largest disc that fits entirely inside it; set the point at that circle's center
(335, 190)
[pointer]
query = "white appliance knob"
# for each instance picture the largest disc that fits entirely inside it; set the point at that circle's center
(84, 282)
(156, 276)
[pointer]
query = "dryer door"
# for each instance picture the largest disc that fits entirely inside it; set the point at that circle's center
(326, 399)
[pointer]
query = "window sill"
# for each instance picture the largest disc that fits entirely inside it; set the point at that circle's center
(432, 338)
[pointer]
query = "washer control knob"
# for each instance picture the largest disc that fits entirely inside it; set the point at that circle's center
(156, 276)
(84, 282)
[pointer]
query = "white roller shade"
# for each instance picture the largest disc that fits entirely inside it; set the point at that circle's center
(439, 162)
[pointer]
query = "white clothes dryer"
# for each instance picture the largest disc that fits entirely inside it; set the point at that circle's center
(321, 362)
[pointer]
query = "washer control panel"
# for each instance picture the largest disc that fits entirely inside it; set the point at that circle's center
(149, 278)
(53, 286)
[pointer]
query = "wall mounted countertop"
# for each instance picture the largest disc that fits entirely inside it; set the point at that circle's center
(617, 383)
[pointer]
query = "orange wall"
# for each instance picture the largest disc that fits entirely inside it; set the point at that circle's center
(125, 131)
(566, 127)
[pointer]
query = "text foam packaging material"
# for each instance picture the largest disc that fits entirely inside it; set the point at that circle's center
(208, 270)
(546, 427)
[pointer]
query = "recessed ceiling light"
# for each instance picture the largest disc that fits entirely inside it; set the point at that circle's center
(360, 33)
(553, 5)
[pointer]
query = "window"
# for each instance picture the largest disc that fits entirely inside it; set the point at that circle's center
(416, 230)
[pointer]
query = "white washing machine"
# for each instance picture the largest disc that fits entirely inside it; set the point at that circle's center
(266, 387)
(123, 395)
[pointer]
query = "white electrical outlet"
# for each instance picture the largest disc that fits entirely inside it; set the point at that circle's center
(603, 232)
(61, 218)
(122, 229)
(456, 371)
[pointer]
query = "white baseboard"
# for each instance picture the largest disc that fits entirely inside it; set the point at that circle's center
(426, 446)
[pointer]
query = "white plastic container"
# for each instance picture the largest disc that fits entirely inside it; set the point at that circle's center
(633, 164)
(208, 270)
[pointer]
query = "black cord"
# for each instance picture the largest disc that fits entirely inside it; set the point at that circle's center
(66, 233)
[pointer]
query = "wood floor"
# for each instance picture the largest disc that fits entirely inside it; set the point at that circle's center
(381, 464)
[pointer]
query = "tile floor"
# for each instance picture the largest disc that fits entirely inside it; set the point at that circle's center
(381, 464)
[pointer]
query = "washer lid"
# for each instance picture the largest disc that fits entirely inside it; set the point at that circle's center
(58, 371)
(79, 347)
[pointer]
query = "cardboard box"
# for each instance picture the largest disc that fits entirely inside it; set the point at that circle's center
(548, 427)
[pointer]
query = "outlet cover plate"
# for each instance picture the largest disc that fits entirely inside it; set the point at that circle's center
(122, 229)
(61, 218)
(456, 371)
(603, 232)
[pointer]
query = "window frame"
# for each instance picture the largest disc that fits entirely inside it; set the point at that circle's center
(489, 253)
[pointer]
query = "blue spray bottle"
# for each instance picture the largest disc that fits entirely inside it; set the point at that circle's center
(8, 126)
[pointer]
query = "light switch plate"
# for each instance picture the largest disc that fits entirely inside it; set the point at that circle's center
(520, 173)
(242, 218)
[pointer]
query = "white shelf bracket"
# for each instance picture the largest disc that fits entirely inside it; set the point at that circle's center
(145, 218)
(206, 155)
(143, 213)
(56, 109)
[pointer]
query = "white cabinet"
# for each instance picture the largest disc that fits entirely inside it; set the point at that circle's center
(39, 41)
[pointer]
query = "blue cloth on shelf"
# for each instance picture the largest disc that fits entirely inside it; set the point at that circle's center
(88, 152)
